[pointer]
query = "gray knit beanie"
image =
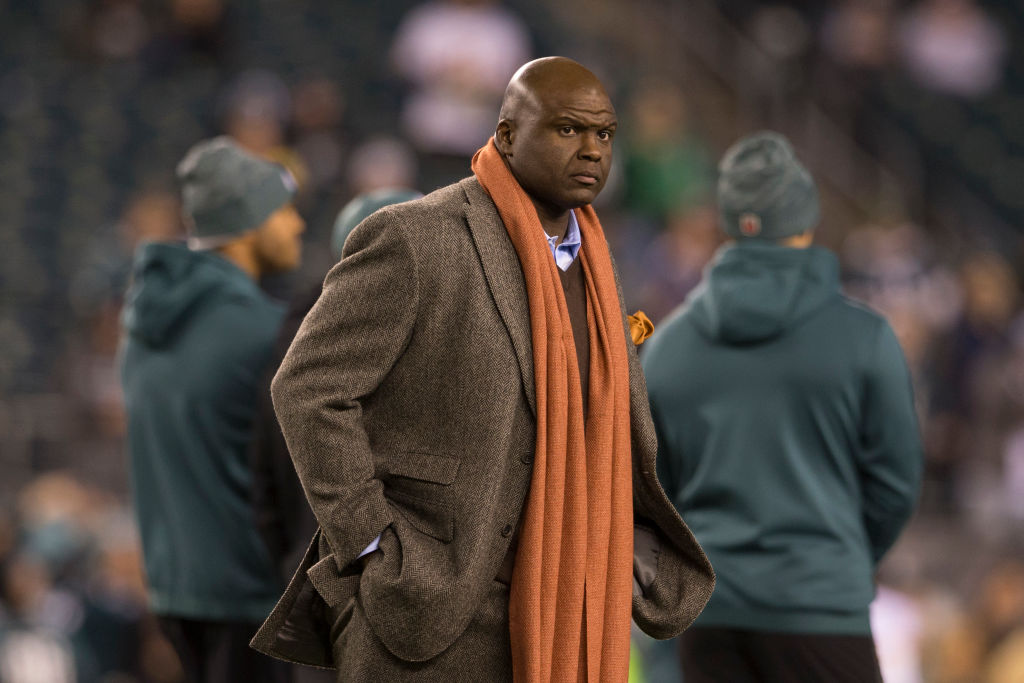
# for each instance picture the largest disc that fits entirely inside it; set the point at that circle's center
(353, 213)
(225, 191)
(764, 192)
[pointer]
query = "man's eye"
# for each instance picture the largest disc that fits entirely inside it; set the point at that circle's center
(605, 135)
(567, 130)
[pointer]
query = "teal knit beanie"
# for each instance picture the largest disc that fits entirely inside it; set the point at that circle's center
(225, 191)
(362, 206)
(764, 192)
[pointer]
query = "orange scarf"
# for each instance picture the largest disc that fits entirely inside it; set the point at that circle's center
(571, 597)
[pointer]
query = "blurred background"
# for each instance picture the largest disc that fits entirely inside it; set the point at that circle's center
(910, 115)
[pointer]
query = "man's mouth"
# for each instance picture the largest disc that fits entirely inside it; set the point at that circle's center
(585, 178)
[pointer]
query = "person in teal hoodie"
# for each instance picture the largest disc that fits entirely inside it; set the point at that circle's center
(198, 333)
(787, 436)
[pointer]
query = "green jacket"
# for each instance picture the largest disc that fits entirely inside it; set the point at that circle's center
(198, 334)
(787, 438)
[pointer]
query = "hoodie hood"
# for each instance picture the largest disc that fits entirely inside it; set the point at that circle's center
(168, 280)
(752, 292)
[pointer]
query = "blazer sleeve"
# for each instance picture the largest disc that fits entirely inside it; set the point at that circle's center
(891, 456)
(344, 349)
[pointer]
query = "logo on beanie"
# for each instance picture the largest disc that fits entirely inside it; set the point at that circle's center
(289, 180)
(750, 224)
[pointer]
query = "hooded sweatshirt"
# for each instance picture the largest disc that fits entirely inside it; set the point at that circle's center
(198, 334)
(787, 438)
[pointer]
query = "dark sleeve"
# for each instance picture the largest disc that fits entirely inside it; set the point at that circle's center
(665, 468)
(891, 457)
(282, 514)
(344, 349)
(265, 448)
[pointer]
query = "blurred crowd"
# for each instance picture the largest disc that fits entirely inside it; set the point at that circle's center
(73, 600)
(101, 98)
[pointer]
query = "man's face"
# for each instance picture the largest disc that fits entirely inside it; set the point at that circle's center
(559, 147)
(278, 240)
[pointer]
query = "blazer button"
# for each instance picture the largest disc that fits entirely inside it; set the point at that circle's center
(527, 457)
(506, 530)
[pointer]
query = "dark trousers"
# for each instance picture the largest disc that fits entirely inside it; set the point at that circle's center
(740, 656)
(219, 652)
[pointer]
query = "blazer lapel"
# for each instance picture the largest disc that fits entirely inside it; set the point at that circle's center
(504, 278)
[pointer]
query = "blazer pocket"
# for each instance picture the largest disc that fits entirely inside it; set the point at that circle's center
(435, 469)
(334, 587)
(427, 516)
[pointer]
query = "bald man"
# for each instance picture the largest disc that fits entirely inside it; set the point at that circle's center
(472, 430)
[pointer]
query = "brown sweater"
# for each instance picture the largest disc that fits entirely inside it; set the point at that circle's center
(576, 300)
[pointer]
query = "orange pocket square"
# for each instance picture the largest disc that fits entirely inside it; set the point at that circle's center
(640, 327)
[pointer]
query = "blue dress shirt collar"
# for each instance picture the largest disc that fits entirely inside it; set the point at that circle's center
(566, 252)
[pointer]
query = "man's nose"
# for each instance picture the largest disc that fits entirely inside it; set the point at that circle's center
(590, 147)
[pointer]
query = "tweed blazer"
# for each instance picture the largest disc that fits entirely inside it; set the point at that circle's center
(407, 402)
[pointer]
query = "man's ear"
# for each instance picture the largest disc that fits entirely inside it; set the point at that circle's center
(503, 136)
